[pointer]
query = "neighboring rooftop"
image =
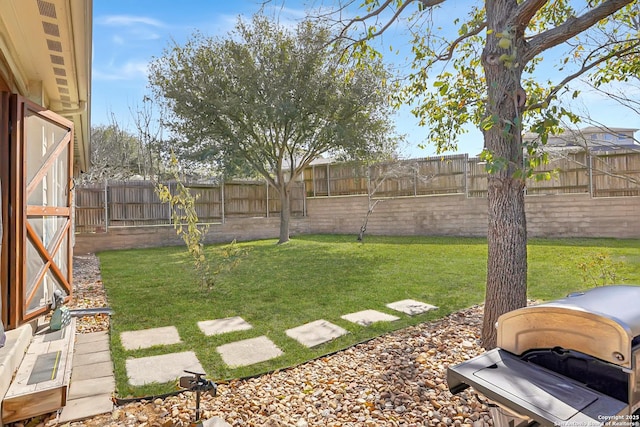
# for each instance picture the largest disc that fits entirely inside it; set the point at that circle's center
(592, 137)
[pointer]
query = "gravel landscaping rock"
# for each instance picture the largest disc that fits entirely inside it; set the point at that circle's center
(88, 292)
(395, 380)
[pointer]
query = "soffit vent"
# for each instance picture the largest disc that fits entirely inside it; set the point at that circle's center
(50, 29)
(57, 59)
(54, 45)
(47, 9)
(62, 82)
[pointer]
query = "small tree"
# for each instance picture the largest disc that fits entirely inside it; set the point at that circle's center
(388, 171)
(185, 221)
(272, 98)
(599, 270)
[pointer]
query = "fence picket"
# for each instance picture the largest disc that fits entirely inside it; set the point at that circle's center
(99, 206)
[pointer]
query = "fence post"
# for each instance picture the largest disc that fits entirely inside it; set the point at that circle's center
(328, 179)
(169, 204)
(267, 184)
(466, 175)
(313, 179)
(222, 198)
(106, 205)
(304, 199)
(590, 171)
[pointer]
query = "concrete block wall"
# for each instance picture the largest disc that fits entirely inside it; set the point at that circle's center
(576, 215)
(579, 215)
(447, 215)
(165, 235)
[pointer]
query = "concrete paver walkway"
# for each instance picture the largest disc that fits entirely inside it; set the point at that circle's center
(92, 381)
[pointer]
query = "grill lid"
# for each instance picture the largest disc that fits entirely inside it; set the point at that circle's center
(620, 303)
(601, 322)
(533, 391)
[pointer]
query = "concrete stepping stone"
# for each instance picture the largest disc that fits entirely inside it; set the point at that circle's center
(367, 317)
(222, 326)
(248, 352)
(316, 333)
(411, 307)
(161, 369)
(145, 338)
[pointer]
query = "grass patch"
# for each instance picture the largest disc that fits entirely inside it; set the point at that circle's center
(277, 287)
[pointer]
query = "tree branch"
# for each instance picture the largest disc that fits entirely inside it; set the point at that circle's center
(624, 100)
(570, 28)
(524, 13)
(445, 56)
(629, 50)
(378, 11)
(460, 39)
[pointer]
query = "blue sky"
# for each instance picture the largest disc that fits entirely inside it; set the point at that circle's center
(127, 34)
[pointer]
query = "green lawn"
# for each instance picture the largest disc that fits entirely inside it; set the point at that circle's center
(323, 277)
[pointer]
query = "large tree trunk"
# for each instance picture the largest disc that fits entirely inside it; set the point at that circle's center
(285, 213)
(507, 262)
(507, 232)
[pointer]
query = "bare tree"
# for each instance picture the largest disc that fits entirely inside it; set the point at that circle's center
(113, 153)
(151, 151)
(380, 173)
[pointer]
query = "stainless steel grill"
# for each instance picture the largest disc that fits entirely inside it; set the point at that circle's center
(573, 362)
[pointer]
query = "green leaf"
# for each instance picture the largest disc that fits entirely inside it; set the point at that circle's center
(488, 122)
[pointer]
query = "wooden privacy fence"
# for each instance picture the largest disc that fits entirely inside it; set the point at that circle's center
(603, 175)
(135, 203)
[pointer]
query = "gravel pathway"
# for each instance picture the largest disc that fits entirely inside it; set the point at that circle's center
(395, 380)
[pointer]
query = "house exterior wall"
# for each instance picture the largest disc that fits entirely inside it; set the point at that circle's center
(449, 215)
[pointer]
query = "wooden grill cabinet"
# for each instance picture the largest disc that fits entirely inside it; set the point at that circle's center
(570, 362)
